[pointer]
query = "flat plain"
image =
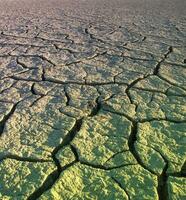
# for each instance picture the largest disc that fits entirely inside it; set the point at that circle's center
(92, 100)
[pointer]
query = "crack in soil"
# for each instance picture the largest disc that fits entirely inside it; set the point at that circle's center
(162, 184)
(131, 144)
(42, 44)
(157, 68)
(120, 185)
(23, 159)
(7, 117)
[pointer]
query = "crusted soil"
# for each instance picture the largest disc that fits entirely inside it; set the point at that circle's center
(92, 100)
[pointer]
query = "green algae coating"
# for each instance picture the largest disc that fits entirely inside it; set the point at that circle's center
(83, 182)
(65, 156)
(128, 76)
(36, 131)
(101, 103)
(139, 66)
(120, 104)
(174, 74)
(151, 158)
(120, 159)
(108, 90)
(155, 105)
(176, 188)
(167, 138)
(101, 137)
(20, 179)
(139, 183)
(82, 99)
(5, 109)
(64, 72)
(153, 83)
(177, 56)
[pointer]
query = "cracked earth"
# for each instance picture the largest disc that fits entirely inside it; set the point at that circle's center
(92, 100)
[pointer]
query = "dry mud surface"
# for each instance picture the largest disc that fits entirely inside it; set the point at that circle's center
(92, 100)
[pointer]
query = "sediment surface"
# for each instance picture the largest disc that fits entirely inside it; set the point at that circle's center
(92, 100)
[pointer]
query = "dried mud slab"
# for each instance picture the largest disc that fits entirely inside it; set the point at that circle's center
(176, 191)
(84, 182)
(21, 178)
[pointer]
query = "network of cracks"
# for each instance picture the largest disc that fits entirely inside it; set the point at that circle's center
(92, 110)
